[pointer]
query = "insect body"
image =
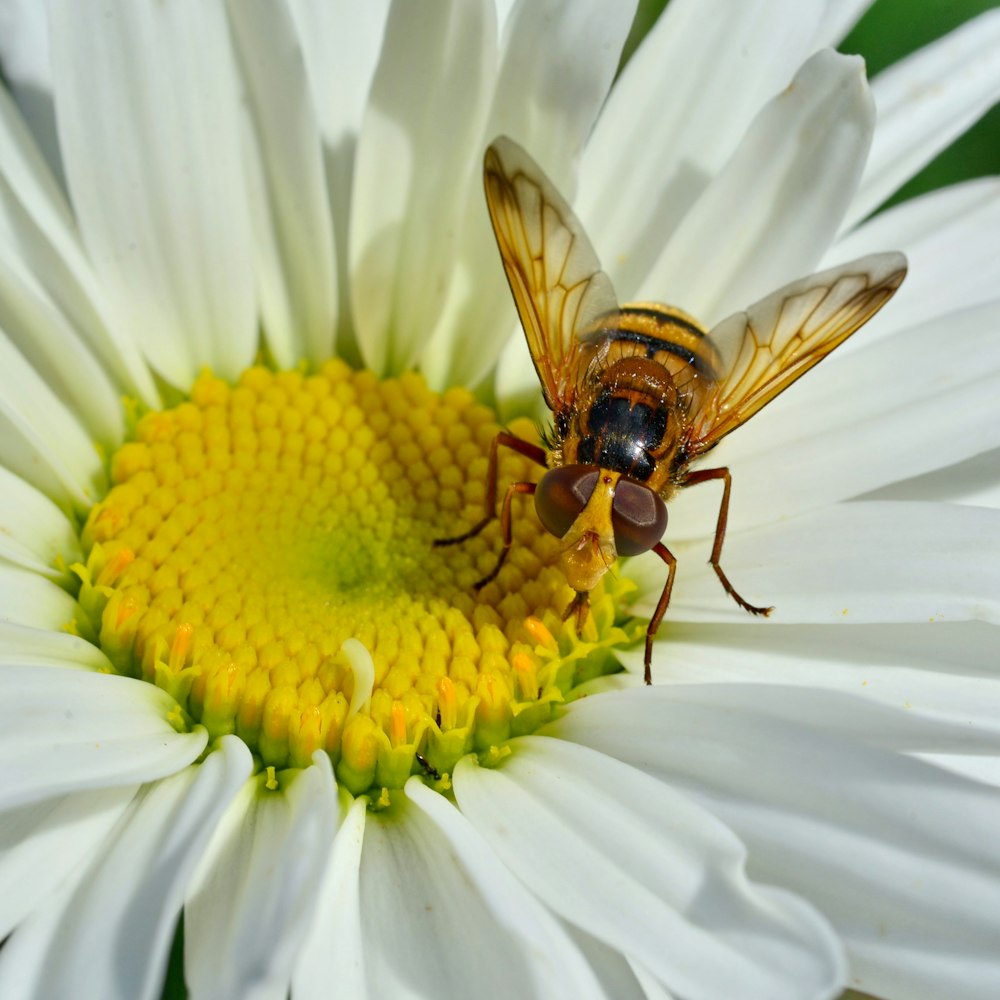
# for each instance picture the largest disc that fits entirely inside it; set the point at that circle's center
(639, 392)
(645, 368)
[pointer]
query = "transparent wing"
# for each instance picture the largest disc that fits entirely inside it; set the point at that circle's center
(778, 339)
(554, 274)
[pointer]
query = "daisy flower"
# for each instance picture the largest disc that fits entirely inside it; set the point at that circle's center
(255, 341)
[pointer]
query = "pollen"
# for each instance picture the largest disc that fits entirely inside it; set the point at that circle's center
(265, 554)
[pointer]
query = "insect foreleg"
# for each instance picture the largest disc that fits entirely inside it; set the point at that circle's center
(507, 527)
(578, 608)
(429, 769)
(517, 444)
(704, 476)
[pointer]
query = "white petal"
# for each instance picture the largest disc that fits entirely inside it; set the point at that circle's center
(40, 253)
(111, 939)
(616, 973)
(47, 845)
(341, 41)
(770, 214)
(33, 601)
(332, 950)
(297, 276)
(676, 115)
(620, 723)
(976, 481)
(641, 868)
(901, 856)
(24, 59)
(22, 645)
(40, 438)
(851, 563)
(149, 127)
(425, 114)
(67, 730)
(257, 884)
(651, 987)
(839, 17)
(553, 964)
(984, 769)
(362, 668)
(950, 240)
(924, 102)
(427, 881)
(52, 347)
(905, 417)
(544, 98)
(24, 43)
(34, 532)
(516, 382)
(933, 671)
(557, 62)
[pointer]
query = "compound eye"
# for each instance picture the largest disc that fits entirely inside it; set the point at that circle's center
(638, 516)
(562, 493)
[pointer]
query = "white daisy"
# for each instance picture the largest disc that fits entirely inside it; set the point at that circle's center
(283, 714)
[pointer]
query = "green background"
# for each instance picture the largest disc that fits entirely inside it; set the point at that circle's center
(890, 30)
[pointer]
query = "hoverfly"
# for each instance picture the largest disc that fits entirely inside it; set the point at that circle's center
(639, 392)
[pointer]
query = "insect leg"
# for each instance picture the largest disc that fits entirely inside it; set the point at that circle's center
(507, 527)
(579, 607)
(429, 769)
(703, 476)
(515, 443)
(661, 607)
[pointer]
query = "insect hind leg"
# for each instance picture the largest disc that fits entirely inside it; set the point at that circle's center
(507, 440)
(704, 476)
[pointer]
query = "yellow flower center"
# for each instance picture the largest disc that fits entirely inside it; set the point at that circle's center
(265, 555)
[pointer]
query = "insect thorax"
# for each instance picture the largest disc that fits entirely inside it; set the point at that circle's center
(638, 388)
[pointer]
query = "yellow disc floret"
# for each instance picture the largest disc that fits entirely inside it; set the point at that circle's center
(265, 555)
